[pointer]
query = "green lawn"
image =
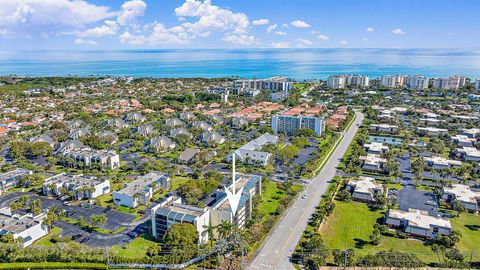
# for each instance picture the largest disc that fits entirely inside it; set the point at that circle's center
(469, 226)
(45, 241)
(271, 197)
(135, 249)
(350, 226)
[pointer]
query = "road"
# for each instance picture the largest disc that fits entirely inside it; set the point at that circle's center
(276, 251)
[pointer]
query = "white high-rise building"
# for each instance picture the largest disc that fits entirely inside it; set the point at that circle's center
(274, 84)
(342, 80)
(392, 81)
(416, 82)
(452, 82)
(477, 84)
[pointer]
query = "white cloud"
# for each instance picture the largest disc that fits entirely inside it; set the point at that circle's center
(241, 39)
(285, 25)
(365, 39)
(280, 45)
(261, 22)
(398, 31)
(211, 18)
(4, 33)
(344, 43)
(280, 33)
(300, 24)
(110, 28)
(128, 38)
(81, 41)
(304, 42)
(315, 32)
(51, 13)
(322, 37)
(271, 28)
(369, 29)
(130, 11)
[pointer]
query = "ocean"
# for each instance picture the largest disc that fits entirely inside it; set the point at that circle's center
(299, 64)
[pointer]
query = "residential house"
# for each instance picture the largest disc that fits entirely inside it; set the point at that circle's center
(188, 156)
(180, 131)
(203, 125)
(107, 135)
(211, 137)
(76, 134)
(116, 124)
(135, 117)
(68, 146)
(43, 138)
(470, 133)
(140, 191)
(144, 130)
(187, 116)
(174, 122)
(376, 148)
(238, 123)
(372, 162)
(159, 144)
(87, 157)
(418, 223)
(463, 140)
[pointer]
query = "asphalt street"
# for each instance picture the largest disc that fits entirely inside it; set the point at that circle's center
(275, 252)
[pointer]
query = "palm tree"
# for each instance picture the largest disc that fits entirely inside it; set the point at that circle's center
(209, 230)
(459, 207)
(225, 228)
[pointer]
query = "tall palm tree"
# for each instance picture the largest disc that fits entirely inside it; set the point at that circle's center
(209, 230)
(225, 228)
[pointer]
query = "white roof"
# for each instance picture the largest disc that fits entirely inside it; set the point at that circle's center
(420, 218)
(463, 193)
(443, 161)
(365, 184)
(375, 147)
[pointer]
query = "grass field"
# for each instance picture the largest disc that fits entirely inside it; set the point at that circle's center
(271, 197)
(45, 241)
(134, 249)
(350, 226)
(469, 227)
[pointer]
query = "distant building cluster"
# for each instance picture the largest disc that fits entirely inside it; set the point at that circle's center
(347, 80)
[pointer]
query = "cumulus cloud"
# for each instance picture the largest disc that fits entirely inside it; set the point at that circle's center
(344, 43)
(81, 41)
(159, 35)
(271, 28)
(110, 28)
(280, 33)
(322, 37)
(261, 22)
(131, 39)
(398, 31)
(365, 39)
(130, 11)
(369, 29)
(300, 24)
(211, 18)
(304, 42)
(280, 45)
(247, 40)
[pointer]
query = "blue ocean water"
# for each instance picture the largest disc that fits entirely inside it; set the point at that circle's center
(299, 64)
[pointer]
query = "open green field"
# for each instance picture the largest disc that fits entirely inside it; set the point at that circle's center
(351, 224)
(135, 249)
(45, 241)
(271, 197)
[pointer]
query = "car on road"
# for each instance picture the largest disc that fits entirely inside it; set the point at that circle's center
(67, 203)
(304, 196)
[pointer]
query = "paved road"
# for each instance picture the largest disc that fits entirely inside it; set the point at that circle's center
(276, 251)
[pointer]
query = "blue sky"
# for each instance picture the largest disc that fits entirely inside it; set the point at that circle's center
(157, 24)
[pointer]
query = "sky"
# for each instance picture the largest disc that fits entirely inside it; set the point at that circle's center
(172, 24)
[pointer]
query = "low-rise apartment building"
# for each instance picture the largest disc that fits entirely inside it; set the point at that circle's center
(418, 223)
(463, 141)
(464, 194)
(140, 191)
(431, 131)
(374, 163)
(25, 226)
(251, 152)
(82, 187)
(10, 179)
(385, 128)
(440, 163)
(468, 153)
(365, 189)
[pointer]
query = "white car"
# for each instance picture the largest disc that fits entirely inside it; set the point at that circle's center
(304, 196)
